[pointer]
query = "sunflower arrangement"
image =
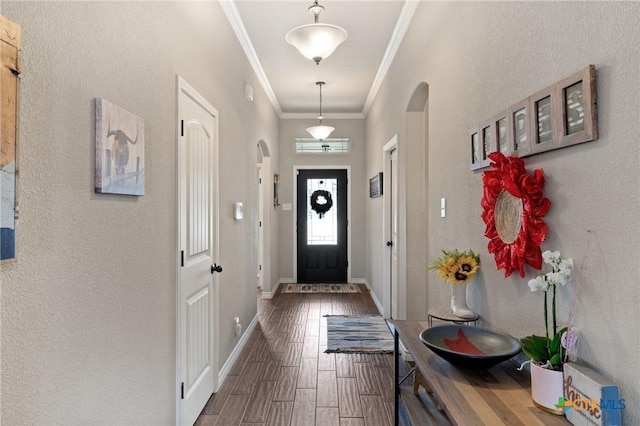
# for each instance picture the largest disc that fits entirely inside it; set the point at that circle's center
(455, 266)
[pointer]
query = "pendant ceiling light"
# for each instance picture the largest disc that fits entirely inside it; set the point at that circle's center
(316, 41)
(320, 132)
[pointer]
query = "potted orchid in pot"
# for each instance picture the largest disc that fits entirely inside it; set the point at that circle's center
(548, 353)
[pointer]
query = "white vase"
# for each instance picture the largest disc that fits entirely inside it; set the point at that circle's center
(459, 302)
(546, 389)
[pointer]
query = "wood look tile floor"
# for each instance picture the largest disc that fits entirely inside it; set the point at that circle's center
(283, 376)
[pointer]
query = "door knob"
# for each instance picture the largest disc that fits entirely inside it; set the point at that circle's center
(389, 243)
(216, 268)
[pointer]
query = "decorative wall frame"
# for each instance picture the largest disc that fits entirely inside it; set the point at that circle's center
(375, 186)
(276, 187)
(119, 150)
(475, 150)
(576, 113)
(560, 115)
(11, 45)
(513, 207)
(520, 129)
(502, 135)
(543, 120)
(487, 145)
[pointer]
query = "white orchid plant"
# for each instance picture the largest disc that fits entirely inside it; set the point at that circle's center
(549, 351)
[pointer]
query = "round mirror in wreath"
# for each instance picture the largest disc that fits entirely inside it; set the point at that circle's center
(513, 207)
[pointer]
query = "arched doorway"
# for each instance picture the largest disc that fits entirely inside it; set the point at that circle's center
(406, 213)
(263, 224)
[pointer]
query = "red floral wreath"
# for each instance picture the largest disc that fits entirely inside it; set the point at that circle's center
(511, 178)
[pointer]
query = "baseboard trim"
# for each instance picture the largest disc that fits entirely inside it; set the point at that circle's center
(374, 298)
(224, 371)
(273, 292)
(372, 293)
(270, 294)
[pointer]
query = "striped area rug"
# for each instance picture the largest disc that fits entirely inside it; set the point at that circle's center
(321, 288)
(358, 334)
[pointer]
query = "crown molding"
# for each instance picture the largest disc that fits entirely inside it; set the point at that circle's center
(399, 31)
(327, 116)
(231, 11)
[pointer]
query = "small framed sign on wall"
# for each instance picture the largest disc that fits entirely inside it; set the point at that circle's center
(375, 186)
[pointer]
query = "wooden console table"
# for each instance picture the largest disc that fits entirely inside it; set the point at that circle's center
(500, 395)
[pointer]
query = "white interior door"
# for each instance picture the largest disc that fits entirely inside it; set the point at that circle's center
(394, 234)
(260, 227)
(198, 240)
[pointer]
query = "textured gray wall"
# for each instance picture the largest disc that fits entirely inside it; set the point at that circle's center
(478, 59)
(88, 311)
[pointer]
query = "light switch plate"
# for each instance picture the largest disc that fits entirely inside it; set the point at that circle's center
(237, 211)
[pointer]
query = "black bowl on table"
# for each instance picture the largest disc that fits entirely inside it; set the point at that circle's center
(470, 347)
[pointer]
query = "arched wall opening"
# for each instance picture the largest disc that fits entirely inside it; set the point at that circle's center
(263, 269)
(414, 199)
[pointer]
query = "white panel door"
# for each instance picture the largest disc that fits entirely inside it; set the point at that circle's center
(198, 250)
(260, 228)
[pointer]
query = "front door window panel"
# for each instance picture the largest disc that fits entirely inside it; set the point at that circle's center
(322, 228)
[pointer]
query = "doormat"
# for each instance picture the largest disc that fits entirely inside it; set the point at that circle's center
(321, 288)
(358, 334)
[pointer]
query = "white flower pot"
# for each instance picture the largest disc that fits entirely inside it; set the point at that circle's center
(546, 389)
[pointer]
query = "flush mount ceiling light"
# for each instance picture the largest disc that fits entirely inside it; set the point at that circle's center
(320, 132)
(316, 41)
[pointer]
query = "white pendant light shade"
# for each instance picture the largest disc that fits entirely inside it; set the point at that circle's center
(316, 41)
(320, 132)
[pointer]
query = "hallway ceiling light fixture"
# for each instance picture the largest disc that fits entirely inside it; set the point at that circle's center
(320, 132)
(316, 41)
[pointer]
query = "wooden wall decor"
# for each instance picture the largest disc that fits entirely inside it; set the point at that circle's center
(10, 47)
(560, 115)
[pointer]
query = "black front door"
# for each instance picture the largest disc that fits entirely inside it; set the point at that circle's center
(322, 226)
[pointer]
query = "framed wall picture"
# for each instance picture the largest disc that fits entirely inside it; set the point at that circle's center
(276, 189)
(11, 37)
(375, 186)
(475, 148)
(519, 129)
(543, 120)
(119, 150)
(487, 145)
(576, 112)
(501, 134)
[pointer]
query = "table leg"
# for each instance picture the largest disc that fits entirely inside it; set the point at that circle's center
(396, 372)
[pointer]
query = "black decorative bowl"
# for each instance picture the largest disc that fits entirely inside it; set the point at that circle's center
(470, 347)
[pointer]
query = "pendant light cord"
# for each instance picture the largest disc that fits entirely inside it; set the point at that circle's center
(320, 117)
(321, 103)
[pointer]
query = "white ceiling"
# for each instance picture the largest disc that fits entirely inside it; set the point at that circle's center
(353, 73)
